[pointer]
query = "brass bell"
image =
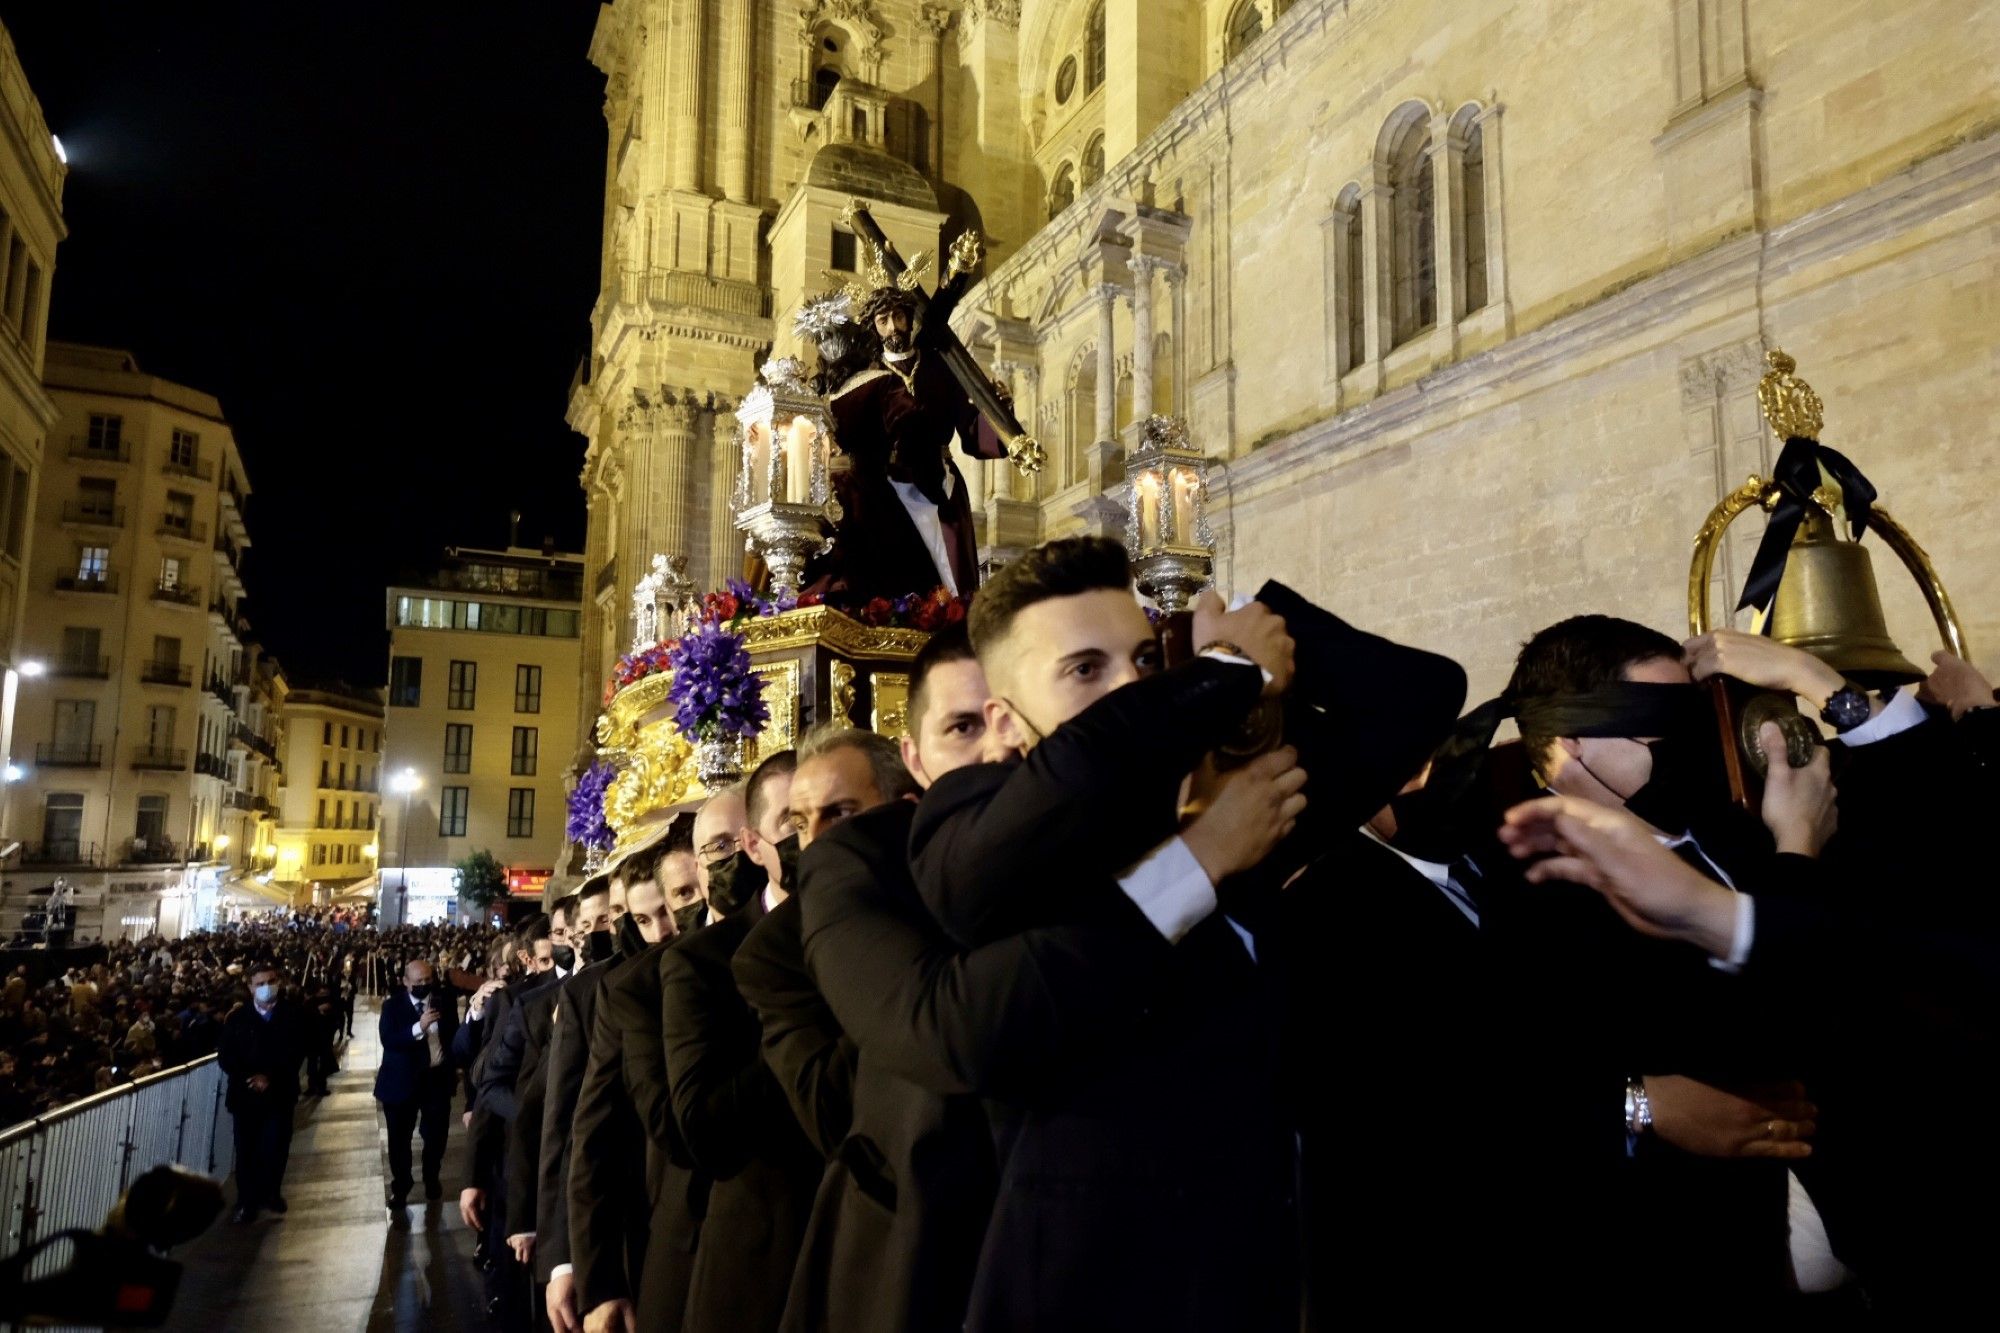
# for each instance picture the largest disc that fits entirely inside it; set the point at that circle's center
(1828, 605)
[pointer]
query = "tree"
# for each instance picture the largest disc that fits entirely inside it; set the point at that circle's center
(481, 882)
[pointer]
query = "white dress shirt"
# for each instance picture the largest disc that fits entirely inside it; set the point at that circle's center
(1436, 872)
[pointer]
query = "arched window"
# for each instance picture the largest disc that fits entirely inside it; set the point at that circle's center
(1246, 25)
(1121, 412)
(1413, 256)
(1472, 190)
(1063, 192)
(1093, 50)
(1093, 161)
(823, 80)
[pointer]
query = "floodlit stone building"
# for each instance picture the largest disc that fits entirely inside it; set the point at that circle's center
(1467, 301)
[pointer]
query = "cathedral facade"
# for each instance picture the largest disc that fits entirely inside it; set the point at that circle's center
(1467, 302)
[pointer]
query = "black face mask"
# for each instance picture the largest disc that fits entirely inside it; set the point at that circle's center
(689, 918)
(1687, 781)
(419, 992)
(630, 941)
(788, 862)
(1427, 827)
(565, 957)
(733, 882)
(600, 946)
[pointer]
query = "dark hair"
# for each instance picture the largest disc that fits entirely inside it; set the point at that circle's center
(883, 300)
(885, 761)
(1579, 654)
(950, 644)
(643, 864)
(777, 766)
(535, 928)
(566, 905)
(1064, 568)
(266, 965)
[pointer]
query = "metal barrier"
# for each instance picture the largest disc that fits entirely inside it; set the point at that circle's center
(67, 1168)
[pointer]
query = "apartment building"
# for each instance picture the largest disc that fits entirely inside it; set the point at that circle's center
(327, 833)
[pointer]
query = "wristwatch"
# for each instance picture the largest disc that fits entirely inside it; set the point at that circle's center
(1846, 708)
(1638, 1113)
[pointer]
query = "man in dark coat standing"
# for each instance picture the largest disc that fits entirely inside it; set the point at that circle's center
(263, 1045)
(415, 1081)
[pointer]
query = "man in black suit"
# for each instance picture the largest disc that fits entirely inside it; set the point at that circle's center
(733, 1116)
(675, 1193)
(901, 1210)
(569, 1049)
(522, 1171)
(1107, 1213)
(415, 1080)
(608, 1200)
(263, 1045)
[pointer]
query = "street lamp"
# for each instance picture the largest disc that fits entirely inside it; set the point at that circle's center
(407, 783)
(32, 669)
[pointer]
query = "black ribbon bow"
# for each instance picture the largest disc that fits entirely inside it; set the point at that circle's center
(1797, 476)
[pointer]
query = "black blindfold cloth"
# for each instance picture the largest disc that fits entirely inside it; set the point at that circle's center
(1620, 708)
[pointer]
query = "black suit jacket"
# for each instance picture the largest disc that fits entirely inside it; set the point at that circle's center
(1107, 1214)
(608, 1209)
(524, 1131)
(406, 1074)
(274, 1047)
(1385, 1041)
(803, 1043)
(738, 1128)
(901, 1211)
(675, 1191)
(569, 1051)
(493, 1078)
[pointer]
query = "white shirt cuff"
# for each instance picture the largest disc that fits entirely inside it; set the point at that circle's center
(1742, 938)
(1898, 715)
(1221, 656)
(560, 1269)
(416, 1029)
(1169, 886)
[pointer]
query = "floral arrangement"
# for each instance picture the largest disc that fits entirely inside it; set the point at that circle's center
(926, 611)
(738, 602)
(714, 691)
(587, 826)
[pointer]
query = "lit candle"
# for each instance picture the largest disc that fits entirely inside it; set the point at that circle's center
(759, 461)
(1184, 497)
(798, 461)
(1149, 510)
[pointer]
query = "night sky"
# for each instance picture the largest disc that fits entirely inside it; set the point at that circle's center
(371, 230)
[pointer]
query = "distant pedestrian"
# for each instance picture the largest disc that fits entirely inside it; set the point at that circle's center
(263, 1044)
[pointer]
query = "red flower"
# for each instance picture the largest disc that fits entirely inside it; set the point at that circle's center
(809, 599)
(925, 615)
(954, 611)
(878, 611)
(721, 606)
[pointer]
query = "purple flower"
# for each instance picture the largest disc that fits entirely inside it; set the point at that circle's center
(586, 825)
(714, 692)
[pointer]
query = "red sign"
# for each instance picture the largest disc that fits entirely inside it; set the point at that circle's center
(527, 883)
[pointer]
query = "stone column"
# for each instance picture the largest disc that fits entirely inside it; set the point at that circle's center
(673, 477)
(738, 39)
(683, 91)
(936, 21)
(1143, 268)
(725, 543)
(639, 515)
(1107, 364)
(1177, 305)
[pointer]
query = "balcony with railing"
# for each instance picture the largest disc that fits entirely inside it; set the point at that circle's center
(219, 687)
(179, 594)
(62, 852)
(183, 528)
(103, 580)
(239, 800)
(145, 851)
(211, 765)
(166, 673)
(68, 754)
(90, 513)
(81, 668)
(193, 467)
(160, 758)
(83, 451)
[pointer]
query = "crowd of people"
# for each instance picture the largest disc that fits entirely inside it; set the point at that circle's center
(1237, 993)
